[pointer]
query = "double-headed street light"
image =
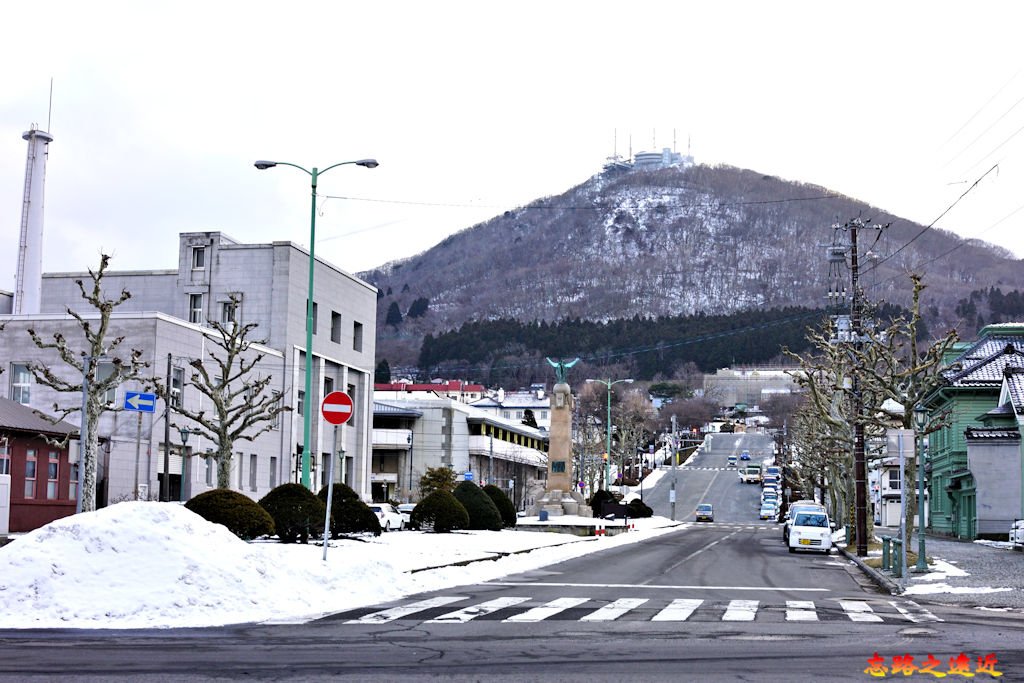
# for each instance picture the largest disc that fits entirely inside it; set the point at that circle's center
(308, 402)
(608, 462)
(920, 421)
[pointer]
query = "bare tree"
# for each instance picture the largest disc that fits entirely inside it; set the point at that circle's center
(243, 408)
(85, 360)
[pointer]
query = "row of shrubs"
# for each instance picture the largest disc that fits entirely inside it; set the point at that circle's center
(635, 508)
(294, 513)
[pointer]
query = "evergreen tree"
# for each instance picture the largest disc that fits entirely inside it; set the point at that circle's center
(382, 375)
(394, 316)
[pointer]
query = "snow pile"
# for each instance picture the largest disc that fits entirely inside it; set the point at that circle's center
(140, 564)
(158, 565)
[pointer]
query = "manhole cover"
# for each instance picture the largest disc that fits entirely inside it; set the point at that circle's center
(917, 632)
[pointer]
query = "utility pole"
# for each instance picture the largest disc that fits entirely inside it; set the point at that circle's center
(672, 491)
(165, 485)
(856, 336)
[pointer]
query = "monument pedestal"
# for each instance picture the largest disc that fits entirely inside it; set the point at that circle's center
(560, 497)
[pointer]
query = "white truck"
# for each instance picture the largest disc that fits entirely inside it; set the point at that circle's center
(750, 474)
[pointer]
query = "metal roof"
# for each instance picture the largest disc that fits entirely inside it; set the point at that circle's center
(394, 411)
(987, 371)
(19, 418)
(993, 433)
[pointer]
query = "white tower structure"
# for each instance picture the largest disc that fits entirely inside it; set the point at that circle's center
(29, 281)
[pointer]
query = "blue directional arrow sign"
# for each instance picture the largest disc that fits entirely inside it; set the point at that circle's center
(144, 403)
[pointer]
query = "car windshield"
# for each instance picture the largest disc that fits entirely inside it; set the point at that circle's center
(811, 519)
(704, 508)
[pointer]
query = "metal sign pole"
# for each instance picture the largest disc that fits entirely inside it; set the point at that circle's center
(330, 497)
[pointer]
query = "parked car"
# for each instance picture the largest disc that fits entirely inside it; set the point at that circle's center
(405, 509)
(794, 508)
(705, 513)
(769, 511)
(811, 530)
(1017, 534)
(389, 517)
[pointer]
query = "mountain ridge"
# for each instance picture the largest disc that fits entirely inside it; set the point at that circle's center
(673, 241)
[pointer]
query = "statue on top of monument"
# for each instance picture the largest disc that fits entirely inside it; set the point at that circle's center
(561, 368)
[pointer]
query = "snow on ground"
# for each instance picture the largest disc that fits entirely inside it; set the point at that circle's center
(158, 565)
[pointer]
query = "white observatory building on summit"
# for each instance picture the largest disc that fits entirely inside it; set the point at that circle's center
(29, 272)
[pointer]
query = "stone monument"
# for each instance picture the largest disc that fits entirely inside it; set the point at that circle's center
(561, 496)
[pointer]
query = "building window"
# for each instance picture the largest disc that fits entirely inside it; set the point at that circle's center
(21, 383)
(104, 371)
(335, 327)
(894, 480)
(73, 481)
(300, 406)
(328, 385)
(228, 312)
(198, 258)
(51, 475)
(314, 314)
(210, 467)
(252, 472)
(177, 382)
(240, 459)
(30, 473)
(5, 458)
(195, 308)
(273, 471)
(357, 336)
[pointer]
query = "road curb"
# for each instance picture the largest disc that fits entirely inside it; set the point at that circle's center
(878, 577)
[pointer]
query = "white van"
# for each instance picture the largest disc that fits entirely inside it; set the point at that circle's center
(811, 530)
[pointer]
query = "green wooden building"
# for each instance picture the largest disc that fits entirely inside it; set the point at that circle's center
(970, 396)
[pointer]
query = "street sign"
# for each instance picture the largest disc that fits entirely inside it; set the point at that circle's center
(337, 407)
(468, 476)
(143, 403)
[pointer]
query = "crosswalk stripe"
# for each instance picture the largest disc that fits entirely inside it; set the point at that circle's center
(921, 615)
(548, 610)
(858, 610)
(614, 610)
(678, 610)
(800, 610)
(472, 612)
(405, 610)
(740, 610)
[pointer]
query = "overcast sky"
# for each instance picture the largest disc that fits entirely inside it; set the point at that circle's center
(159, 110)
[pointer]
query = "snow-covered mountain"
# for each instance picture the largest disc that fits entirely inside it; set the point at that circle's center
(674, 241)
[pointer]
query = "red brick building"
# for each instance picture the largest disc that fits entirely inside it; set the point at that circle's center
(43, 482)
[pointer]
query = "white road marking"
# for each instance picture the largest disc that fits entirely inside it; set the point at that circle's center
(677, 610)
(922, 613)
(615, 609)
(474, 611)
(858, 610)
(800, 610)
(405, 610)
(548, 610)
(740, 610)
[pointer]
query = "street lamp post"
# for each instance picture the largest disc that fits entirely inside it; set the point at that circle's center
(920, 421)
(184, 432)
(608, 423)
(308, 399)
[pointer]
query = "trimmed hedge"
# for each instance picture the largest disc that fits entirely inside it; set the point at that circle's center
(297, 513)
(600, 497)
(637, 508)
(239, 513)
(483, 513)
(506, 508)
(440, 512)
(349, 515)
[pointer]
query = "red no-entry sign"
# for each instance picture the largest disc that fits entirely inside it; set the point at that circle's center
(337, 407)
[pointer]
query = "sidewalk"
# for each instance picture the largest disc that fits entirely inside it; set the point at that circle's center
(982, 574)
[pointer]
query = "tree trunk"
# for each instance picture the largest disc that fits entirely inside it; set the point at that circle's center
(223, 470)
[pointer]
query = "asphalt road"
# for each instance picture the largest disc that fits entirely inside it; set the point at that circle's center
(718, 601)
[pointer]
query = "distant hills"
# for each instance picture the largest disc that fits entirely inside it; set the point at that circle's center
(672, 242)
